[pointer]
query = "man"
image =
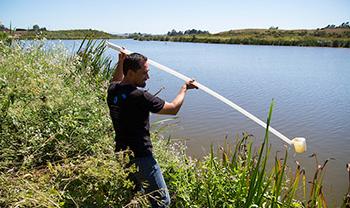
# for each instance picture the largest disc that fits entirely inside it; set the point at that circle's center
(129, 109)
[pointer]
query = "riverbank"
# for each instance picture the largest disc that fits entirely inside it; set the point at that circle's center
(320, 37)
(56, 145)
(329, 37)
(63, 34)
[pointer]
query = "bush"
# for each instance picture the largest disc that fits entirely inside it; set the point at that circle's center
(49, 110)
(3, 35)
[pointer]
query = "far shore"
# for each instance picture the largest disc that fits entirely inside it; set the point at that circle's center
(334, 37)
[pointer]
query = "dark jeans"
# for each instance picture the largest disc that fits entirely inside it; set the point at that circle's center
(148, 171)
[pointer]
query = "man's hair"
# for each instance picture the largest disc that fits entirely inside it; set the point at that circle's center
(133, 62)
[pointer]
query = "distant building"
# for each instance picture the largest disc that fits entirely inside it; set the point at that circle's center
(20, 29)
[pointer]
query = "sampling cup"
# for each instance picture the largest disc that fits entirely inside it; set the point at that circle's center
(299, 144)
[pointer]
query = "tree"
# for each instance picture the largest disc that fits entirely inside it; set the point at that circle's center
(330, 27)
(172, 32)
(36, 28)
(187, 32)
(344, 25)
(2, 27)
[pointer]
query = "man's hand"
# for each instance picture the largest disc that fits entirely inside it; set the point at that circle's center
(174, 107)
(121, 57)
(118, 72)
(191, 84)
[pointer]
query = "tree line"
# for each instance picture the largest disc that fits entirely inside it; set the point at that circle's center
(35, 28)
(343, 25)
(173, 32)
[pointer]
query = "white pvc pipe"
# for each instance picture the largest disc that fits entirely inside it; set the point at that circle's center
(211, 92)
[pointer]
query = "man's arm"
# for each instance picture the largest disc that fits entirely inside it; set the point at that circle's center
(174, 107)
(118, 72)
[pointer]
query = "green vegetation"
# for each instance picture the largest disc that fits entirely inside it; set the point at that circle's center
(64, 34)
(322, 38)
(56, 145)
(329, 36)
(38, 32)
(3, 35)
(187, 32)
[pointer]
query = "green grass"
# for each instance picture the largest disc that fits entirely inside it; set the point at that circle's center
(3, 35)
(57, 150)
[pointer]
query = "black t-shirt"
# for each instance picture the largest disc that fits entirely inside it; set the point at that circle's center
(129, 109)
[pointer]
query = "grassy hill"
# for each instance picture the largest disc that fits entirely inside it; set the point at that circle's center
(337, 37)
(64, 34)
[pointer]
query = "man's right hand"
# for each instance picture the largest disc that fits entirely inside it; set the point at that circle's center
(118, 72)
(191, 84)
(121, 57)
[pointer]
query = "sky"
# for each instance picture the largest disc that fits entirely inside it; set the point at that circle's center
(161, 16)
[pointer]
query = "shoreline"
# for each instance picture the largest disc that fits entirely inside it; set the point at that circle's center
(329, 38)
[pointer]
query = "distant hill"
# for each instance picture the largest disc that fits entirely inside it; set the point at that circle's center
(63, 34)
(324, 32)
(330, 36)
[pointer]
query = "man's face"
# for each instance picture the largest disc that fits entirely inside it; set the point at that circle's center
(141, 75)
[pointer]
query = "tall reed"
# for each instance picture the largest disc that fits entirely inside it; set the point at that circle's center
(93, 58)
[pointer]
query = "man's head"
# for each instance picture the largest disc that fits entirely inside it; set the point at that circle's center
(135, 69)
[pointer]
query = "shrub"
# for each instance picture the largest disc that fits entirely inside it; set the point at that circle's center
(50, 110)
